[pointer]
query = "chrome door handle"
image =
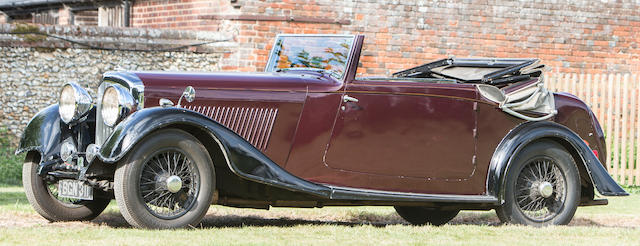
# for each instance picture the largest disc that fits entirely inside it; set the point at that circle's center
(347, 98)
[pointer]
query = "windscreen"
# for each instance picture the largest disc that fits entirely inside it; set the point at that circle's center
(329, 53)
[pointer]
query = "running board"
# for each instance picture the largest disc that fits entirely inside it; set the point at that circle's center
(344, 193)
(594, 202)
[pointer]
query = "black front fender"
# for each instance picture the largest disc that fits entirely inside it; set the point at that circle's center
(42, 133)
(242, 158)
(529, 132)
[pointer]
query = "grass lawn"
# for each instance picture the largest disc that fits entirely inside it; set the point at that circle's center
(615, 224)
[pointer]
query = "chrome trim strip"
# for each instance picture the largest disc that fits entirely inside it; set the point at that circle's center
(347, 193)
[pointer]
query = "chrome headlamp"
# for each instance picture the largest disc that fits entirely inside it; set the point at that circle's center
(117, 103)
(74, 103)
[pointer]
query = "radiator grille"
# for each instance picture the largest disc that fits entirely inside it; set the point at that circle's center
(254, 124)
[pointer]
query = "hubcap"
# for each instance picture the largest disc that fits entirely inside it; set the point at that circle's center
(546, 189)
(174, 184)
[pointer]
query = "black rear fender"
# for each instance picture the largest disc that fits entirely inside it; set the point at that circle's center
(529, 132)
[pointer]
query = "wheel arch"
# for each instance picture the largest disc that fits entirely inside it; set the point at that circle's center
(240, 158)
(592, 172)
(43, 133)
(33, 155)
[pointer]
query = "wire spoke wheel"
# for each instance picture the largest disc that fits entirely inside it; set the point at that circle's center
(169, 183)
(43, 195)
(166, 181)
(540, 189)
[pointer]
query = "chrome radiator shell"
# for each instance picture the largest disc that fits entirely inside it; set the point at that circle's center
(102, 130)
(128, 80)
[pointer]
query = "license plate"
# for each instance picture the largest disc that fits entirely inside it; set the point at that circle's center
(74, 189)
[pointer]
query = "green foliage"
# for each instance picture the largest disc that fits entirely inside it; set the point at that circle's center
(26, 28)
(31, 32)
(10, 164)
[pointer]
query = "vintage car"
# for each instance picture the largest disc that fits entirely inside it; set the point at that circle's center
(450, 135)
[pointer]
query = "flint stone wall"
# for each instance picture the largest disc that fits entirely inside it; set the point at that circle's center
(32, 72)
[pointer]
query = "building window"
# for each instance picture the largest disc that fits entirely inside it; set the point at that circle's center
(86, 17)
(113, 15)
(46, 17)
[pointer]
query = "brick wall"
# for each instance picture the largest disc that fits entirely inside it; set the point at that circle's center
(178, 14)
(570, 36)
(64, 16)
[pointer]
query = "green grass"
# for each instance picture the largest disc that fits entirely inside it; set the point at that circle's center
(329, 235)
(12, 199)
(615, 224)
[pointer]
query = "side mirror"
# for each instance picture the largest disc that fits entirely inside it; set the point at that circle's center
(188, 94)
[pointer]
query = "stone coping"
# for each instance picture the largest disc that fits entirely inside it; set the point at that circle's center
(114, 38)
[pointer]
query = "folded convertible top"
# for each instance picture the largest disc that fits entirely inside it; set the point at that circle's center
(507, 82)
(491, 71)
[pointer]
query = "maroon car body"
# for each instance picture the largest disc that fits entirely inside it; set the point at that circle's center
(304, 138)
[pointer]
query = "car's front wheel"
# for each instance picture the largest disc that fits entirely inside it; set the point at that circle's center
(166, 181)
(424, 215)
(542, 186)
(43, 196)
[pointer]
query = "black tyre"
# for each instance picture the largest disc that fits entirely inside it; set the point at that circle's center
(542, 186)
(166, 181)
(423, 216)
(43, 196)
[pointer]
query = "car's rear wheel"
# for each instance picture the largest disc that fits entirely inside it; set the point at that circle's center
(43, 196)
(166, 181)
(542, 186)
(423, 215)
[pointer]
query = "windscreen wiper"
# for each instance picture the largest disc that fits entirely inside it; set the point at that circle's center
(319, 70)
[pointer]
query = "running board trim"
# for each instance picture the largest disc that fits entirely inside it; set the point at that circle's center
(345, 193)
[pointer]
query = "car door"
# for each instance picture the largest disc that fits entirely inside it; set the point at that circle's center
(406, 130)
